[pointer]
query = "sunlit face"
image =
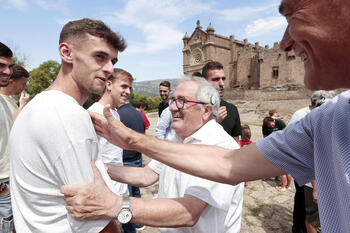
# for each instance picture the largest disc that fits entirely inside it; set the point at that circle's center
(164, 93)
(318, 31)
(92, 60)
(120, 91)
(18, 85)
(6, 65)
(217, 77)
(190, 118)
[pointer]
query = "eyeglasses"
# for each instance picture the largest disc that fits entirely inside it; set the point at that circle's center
(180, 102)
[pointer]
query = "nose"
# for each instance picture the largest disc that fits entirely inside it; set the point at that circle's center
(108, 68)
(172, 106)
(7, 70)
(221, 83)
(287, 42)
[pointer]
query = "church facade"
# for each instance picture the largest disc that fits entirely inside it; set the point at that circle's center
(246, 65)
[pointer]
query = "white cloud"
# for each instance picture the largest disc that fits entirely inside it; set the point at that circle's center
(248, 13)
(263, 26)
(19, 4)
(157, 21)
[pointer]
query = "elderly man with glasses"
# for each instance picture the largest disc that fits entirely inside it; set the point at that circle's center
(185, 203)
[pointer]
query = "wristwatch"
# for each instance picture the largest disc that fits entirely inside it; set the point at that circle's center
(125, 214)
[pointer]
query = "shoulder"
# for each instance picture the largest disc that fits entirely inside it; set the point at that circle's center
(212, 133)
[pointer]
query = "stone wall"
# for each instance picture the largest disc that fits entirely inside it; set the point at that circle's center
(266, 94)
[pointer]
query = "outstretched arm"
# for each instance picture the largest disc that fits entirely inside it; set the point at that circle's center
(95, 200)
(225, 166)
(135, 176)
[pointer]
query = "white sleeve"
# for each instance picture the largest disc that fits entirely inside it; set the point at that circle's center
(74, 167)
(156, 166)
(213, 193)
(164, 122)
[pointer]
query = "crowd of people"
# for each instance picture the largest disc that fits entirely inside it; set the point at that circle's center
(65, 169)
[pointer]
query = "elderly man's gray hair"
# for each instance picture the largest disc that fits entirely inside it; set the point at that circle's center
(206, 93)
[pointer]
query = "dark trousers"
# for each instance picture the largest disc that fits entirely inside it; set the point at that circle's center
(299, 210)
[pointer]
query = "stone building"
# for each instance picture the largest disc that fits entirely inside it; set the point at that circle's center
(246, 65)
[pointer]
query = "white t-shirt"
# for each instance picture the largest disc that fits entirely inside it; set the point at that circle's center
(5, 127)
(51, 144)
(297, 116)
(11, 103)
(223, 213)
(110, 153)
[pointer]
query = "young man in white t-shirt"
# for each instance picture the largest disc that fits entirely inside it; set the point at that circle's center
(53, 140)
(117, 92)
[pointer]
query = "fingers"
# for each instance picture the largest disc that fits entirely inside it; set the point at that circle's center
(70, 190)
(107, 113)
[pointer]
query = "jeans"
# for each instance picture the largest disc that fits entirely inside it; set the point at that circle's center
(6, 218)
(133, 192)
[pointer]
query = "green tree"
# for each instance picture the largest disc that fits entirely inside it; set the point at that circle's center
(42, 77)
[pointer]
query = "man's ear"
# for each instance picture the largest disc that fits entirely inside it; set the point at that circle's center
(65, 51)
(11, 81)
(108, 85)
(208, 110)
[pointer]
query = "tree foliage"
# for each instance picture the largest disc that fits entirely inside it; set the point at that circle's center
(42, 77)
(152, 103)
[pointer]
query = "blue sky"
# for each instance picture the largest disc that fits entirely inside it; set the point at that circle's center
(153, 29)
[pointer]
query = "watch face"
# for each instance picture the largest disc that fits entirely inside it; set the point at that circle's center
(124, 216)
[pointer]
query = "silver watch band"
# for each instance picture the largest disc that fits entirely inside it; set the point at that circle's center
(126, 202)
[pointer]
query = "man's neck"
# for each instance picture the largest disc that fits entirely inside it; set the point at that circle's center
(165, 101)
(66, 84)
(5, 91)
(107, 99)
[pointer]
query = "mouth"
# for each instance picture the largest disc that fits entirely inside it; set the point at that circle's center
(177, 117)
(102, 79)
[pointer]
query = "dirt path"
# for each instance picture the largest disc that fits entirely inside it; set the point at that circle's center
(265, 209)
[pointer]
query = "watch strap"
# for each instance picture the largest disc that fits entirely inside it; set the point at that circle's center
(126, 202)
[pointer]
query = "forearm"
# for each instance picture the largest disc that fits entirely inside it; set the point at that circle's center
(236, 139)
(176, 212)
(226, 166)
(112, 227)
(313, 183)
(135, 176)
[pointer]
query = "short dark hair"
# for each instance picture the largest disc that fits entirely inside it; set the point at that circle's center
(197, 74)
(212, 65)
(5, 51)
(246, 133)
(79, 29)
(19, 72)
(165, 84)
(141, 104)
(268, 119)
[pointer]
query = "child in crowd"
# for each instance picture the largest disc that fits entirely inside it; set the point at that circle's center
(245, 140)
(246, 135)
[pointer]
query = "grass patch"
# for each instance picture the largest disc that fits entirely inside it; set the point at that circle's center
(254, 210)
